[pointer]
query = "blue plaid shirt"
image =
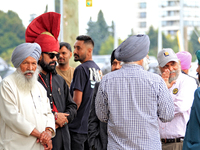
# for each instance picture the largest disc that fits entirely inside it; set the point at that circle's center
(131, 100)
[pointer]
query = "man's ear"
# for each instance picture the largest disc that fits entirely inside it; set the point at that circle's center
(90, 50)
(70, 55)
(40, 57)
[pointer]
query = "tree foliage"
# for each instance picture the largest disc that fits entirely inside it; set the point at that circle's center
(12, 31)
(167, 41)
(6, 55)
(153, 37)
(98, 31)
(107, 47)
(193, 43)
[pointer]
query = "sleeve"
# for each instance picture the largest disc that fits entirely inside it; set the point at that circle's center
(93, 122)
(10, 113)
(165, 103)
(50, 118)
(71, 107)
(185, 96)
(101, 104)
(79, 79)
(192, 135)
(196, 104)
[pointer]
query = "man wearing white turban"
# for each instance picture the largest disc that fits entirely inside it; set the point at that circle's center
(26, 121)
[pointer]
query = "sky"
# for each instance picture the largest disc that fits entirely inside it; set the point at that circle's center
(113, 10)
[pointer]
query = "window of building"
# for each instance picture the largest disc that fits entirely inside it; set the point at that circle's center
(172, 32)
(164, 23)
(142, 15)
(171, 13)
(142, 5)
(142, 24)
(164, 3)
(164, 13)
(171, 3)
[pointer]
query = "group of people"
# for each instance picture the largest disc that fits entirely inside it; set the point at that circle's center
(48, 106)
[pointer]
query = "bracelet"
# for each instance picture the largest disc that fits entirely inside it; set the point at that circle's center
(50, 129)
(56, 116)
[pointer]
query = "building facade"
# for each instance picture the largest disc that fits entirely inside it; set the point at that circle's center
(169, 15)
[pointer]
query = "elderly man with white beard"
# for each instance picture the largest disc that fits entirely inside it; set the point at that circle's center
(26, 121)
(181, 88)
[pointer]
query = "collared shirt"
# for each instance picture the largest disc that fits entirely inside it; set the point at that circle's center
(182, 93)
(130, 100)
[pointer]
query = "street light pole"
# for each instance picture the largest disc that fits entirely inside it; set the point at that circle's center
(160, 27)
(61, 21)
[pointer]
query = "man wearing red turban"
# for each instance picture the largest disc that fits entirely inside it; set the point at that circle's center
(44, 30)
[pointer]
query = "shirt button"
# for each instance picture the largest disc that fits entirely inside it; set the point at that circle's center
(51, 102)
(50, 94)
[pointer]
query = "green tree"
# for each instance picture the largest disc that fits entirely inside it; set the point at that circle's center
(193, 43)
(12, 31)
(98, 31)
(107, 47)
(153, 37)
(170, 42)
(6, 55)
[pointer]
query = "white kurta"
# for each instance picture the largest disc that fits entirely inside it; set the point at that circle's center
(20, 113)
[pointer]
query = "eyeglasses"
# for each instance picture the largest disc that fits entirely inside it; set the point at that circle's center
(115, 63)
(52, 55)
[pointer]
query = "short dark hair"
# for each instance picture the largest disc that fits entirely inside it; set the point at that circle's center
(67, 45)
(87, 39)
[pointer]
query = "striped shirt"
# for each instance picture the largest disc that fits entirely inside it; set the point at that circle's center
(130, 100)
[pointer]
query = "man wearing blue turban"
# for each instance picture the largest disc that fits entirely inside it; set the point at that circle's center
(26, 121)
(132, 99)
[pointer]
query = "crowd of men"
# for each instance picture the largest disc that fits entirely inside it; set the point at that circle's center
(48, 106)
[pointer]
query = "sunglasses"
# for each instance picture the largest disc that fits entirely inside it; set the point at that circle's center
(52, 55)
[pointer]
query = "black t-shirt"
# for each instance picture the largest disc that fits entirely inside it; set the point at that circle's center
(84, 79)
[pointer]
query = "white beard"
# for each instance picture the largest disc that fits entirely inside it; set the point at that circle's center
(177, 74)
(145, 63)
(26, 84)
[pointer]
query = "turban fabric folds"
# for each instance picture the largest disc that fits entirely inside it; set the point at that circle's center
(45, 30)
(198, 56)
(133, 48)
(112, 57)
(22, 51)
(185, 59)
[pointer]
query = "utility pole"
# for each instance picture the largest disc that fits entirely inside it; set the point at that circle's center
(160, 27)
(181, 24)
(61, 21)
(70, 24)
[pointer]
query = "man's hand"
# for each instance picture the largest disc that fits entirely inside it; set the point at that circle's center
(57, 126)
(48, 146)
(62, 119)
(45, 137)
(165, 76)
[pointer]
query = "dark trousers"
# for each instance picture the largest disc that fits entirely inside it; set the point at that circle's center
(79, 141)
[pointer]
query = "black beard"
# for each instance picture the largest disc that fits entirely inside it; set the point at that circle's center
(47, 67)
(199, 77)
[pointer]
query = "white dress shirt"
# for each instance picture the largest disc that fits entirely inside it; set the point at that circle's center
(182, 93)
